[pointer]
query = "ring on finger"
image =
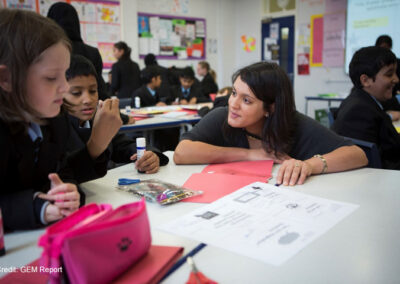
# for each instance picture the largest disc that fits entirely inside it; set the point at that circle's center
(297, 164)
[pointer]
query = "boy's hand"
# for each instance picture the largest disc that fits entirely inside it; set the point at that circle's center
(106, 124)
(149, 163)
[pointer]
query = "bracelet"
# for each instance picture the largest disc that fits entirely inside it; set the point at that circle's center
(325, 165)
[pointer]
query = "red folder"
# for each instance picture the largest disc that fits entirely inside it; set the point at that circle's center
(261, 168)
(150, 269)
(215, 186)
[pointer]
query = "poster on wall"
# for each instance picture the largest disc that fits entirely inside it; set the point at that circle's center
(171, 37)
(303, 37)
(334, 39)
(271, 50)
(249, 43)
(100, 26)
(21, 4)
(44, 6)
(174, 7)
(303, 64)
(317, 39)
(99, 21)
(333, 6)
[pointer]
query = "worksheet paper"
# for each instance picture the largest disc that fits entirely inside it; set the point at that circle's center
(262, 221)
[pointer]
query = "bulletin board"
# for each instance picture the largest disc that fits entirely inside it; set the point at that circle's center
(171, 37)
(100, 21)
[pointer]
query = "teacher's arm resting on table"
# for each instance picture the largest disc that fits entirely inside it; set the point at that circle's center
(294, 171)
(261, 122)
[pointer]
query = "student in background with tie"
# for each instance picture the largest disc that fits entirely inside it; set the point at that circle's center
(361, 115)
(261, 122)
(149, 92)
(165, 87)
(187, 92)
(38, 183)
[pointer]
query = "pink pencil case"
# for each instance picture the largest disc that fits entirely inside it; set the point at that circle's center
(96, 243)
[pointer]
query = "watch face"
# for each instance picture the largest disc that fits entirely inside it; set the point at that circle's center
(282, 3)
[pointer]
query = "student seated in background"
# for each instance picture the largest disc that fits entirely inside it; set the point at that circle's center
(361, 115)
(38, 182)
(81, 102)
(261, 122)
(148, 93)
(391, 106)
(187, 92)
(208, 84)
(165, 87)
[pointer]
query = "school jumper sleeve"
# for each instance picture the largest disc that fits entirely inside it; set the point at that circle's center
(23, 172)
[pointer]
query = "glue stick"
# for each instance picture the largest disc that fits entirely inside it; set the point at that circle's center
(140, 148)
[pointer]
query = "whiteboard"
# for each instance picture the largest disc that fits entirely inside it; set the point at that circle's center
(367, 20)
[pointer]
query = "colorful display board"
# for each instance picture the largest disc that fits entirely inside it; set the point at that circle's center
(171, 37)
(100, 21)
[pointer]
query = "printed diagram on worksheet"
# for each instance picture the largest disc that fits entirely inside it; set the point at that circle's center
(262, 221)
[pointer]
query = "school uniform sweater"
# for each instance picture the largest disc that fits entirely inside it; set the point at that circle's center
(25, 166)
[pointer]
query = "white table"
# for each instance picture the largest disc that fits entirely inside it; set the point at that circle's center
(161, 121)
(363, 248)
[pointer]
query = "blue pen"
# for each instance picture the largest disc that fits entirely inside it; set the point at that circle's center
(127, 181)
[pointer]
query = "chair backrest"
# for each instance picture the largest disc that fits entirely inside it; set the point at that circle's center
(371, 150)
(123, 102)
(332, 113)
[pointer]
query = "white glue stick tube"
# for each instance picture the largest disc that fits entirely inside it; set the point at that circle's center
(140, 148)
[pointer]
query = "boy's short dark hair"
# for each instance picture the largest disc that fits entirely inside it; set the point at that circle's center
(150, 59)
(80, 66)
(369, 61)
(149, 73)
(187, 73)
(384, 39)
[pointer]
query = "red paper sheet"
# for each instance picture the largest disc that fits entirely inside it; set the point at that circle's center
(215, 186)
(246, 168)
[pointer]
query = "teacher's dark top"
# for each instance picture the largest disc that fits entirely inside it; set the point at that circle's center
(310, 138)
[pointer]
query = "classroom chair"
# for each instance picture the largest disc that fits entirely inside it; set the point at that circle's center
(371, 150)
(332, 114)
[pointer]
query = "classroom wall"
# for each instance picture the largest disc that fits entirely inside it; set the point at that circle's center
(321, 79)
(226, 22)
(208, 9)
